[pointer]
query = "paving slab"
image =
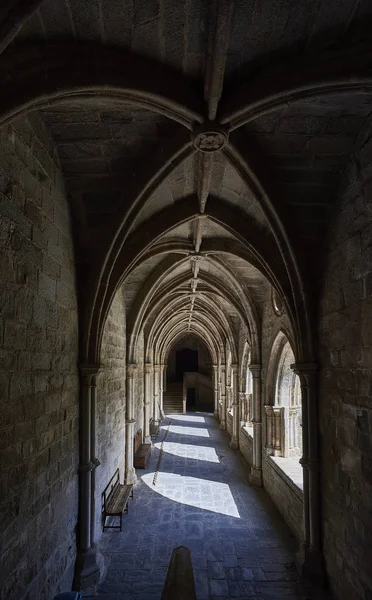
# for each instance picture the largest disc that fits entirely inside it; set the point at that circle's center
(201, 499)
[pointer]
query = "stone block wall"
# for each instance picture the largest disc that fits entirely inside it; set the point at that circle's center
(192, 342)
(285, 495)
(38, 369)
(246, 446)
(111, 402)
(345, 382)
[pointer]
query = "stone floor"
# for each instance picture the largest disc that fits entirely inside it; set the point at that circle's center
(200, 498)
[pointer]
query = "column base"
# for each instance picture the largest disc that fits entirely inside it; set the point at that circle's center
(215, 414)
(147, 439)
(234, 443)
(89, 570)
(131, 477)
(223, 426)
(255, 477)
(310, 565)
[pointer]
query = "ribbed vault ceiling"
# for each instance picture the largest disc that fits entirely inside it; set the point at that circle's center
(202, 144)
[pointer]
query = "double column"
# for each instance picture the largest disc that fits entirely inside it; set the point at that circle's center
(216, 395)
(234, 443)
(310, 558)
(130, 473)
(147, 403)
(89, 563)
(222, 407)
(255, 476)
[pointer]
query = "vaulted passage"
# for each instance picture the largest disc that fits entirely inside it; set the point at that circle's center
(185, 227)
(201, 498)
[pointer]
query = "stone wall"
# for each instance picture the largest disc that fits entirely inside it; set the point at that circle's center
(246, 445)
(345, 384)
(287, 497)
(111, 402)
(192, 342)
(38, 369)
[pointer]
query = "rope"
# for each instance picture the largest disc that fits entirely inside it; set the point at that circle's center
(160, 455)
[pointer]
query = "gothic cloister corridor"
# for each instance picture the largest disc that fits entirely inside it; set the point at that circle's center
(185, 228)
(240, 546)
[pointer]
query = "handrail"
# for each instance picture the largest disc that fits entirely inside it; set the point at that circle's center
(179, 584)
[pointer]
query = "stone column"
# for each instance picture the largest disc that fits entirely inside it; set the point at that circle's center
(310, 558)
(215, 390)
(162, 388)
(89, 563)
(156, 411)
(147, 404)
(255, 477)
(130, 473)
(223, 397)
(234, 443)
(93, 459)
(243, 409)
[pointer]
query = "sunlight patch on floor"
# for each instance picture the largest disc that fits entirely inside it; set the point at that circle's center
(183, 430)
(193, 491)
(190, 451)
(189, 418)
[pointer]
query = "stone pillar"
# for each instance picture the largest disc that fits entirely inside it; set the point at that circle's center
(156, 410)
(310, 558)
(147, 404)
(255, 476)
(215, 390)
(243, 409)
(162, 388)
(223, 397)
(89, 563)
(234, 443)
(93, 459)
(130, 473)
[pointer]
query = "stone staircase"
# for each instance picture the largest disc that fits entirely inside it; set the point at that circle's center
(172, 398)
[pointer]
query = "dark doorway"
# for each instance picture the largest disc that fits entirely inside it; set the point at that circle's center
(186, 361)
(191, 398)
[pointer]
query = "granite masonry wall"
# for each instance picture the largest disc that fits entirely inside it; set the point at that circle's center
(38, 369)
(192, 342)
(246, 445)
(345, 383)
(111, 402)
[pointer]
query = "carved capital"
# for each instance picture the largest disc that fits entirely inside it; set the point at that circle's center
(255, 369)
(304, 368)
(148, 368)
(131, 369)
(89, 369)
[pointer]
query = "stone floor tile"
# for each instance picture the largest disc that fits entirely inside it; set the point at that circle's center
(239, 545)
(216, 570)
(218, 587)
(231, 561)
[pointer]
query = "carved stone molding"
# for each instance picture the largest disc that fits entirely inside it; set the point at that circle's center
(209, 140)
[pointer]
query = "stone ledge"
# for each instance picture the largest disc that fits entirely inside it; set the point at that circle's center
(285, 477)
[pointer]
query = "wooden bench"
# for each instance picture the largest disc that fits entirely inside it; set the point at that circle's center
(141, 451)
(115, 500)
